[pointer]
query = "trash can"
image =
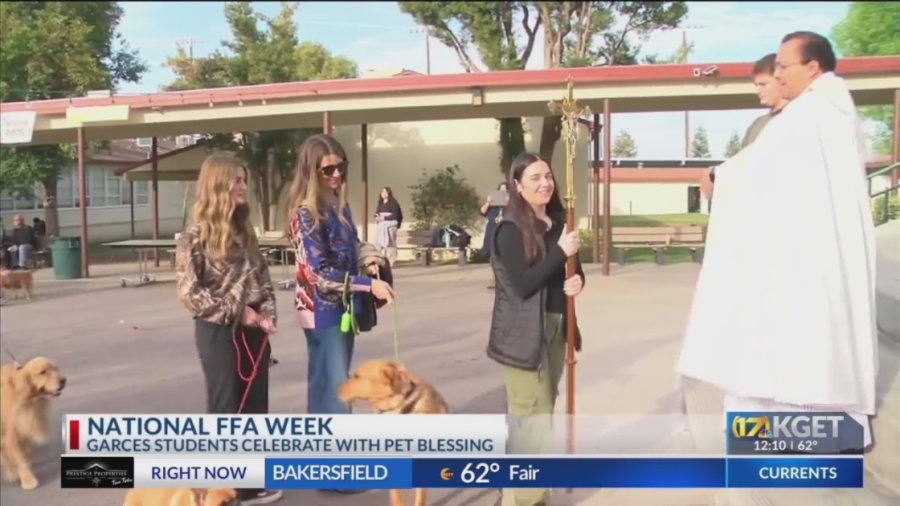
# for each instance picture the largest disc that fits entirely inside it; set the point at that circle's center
(66, 255)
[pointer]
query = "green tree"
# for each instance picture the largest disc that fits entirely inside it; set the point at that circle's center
(700, 144)
(597, 34)
(576, 34)
(733, 146)
(624, 146)
(262, 50)
(871, 29)
(681, 55)
(491, 29)
(56, 50)
(443, 198)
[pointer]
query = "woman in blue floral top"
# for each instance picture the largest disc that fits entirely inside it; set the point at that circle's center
(325, 238)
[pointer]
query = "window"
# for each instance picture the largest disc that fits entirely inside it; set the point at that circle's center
(141, 193)
(8, 202)
(66, 190)
(104, 188)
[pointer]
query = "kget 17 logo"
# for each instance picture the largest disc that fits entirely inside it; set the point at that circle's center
(759, 426)
(786, 426)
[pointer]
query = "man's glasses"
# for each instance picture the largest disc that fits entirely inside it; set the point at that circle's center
(329, 170)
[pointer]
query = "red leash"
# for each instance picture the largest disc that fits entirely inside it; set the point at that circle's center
(254, 364)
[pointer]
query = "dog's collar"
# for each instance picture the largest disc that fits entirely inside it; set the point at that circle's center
(408, 400)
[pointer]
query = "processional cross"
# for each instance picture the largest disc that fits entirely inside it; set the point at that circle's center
(571, 112)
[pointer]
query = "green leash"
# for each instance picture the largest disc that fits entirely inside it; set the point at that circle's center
(349, 323)
(396, 333)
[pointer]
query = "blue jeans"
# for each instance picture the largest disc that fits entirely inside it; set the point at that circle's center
(23, 254)
(330, 352)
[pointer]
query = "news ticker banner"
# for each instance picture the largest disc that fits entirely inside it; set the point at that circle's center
(446, 435)
(354, 473)
(285, 434)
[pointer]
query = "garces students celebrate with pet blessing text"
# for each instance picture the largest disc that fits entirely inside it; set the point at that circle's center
(223, 280)
(527, 339)
(329, 283)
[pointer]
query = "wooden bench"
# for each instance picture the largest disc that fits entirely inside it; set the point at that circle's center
(659, 239)
(417, 240)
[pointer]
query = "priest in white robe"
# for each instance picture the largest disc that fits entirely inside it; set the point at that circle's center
(783, 317)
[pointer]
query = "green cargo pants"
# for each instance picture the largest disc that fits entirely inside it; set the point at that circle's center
(531, 398)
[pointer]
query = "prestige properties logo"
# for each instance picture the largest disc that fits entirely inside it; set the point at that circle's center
(786, 426)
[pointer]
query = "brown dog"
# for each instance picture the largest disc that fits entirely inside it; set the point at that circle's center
(391, 389)
(16, 281)
(181, 497)
(25, 393)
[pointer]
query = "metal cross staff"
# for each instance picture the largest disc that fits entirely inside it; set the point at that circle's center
(571, 112)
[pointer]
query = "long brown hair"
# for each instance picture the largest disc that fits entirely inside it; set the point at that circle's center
(221, 221)
(305, 191)
(533, 228)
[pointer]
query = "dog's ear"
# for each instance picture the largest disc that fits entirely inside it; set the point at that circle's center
(199, 495)
(20, 381)
(395, 374)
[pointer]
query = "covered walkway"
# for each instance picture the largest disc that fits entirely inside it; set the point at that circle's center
(648, 88)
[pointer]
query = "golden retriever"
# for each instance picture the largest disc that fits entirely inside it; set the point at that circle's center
(16, 281)
(389, 388)
(181, 497)
(25, 394)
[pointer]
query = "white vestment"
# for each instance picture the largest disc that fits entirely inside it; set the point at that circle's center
(784, 309)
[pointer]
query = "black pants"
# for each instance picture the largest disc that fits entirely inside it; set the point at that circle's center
(224, 387)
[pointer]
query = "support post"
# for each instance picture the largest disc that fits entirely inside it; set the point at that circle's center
(364, 175)
(607, 183)
(131, 206)
(131, 213)
(895, 142)
(326, 123)
(154, 194)
(596, 128)
(82, 201)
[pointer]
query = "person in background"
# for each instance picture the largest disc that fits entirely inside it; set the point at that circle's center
(389, 217)
(5, 256)
(527, 336)
(493, 213)
(767, 89)
(39, 226)
(223, 281)
(322, 231)
(23, 243)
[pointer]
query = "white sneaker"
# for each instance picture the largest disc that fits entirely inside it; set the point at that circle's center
(264, 497)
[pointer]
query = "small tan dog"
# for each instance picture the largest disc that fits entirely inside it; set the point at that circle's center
(25, 394)
(16, 281)
(181, 497)
(391, 389)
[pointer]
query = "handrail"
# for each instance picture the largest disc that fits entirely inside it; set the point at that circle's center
(886, 190)
(883, 171)
(887, 201)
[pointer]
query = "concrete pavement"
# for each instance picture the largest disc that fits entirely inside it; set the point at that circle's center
(128, 350)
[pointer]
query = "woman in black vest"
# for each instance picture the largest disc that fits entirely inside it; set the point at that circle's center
(530, 248)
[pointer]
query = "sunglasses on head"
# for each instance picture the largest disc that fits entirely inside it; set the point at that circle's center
(329, 170)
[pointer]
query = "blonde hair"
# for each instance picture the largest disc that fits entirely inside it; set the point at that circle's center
(305, 192)
(219, 220)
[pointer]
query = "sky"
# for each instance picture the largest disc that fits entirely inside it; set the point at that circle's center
(378, 36)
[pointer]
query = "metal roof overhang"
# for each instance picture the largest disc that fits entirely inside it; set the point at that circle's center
(654, 88)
